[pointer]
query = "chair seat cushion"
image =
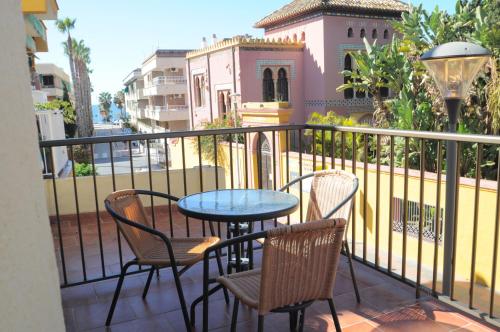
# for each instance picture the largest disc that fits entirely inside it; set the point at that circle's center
(244, 285)
(187, 251)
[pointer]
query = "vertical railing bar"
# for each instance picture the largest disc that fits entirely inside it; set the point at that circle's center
(77, 206)
(216, 161)
(421, 217)
(231, 171)
(455, 221)
(113, 178)
(323, 155)
(97, 211)
(300, 174)
(342, 149)
(479, 157)
(495, 242)
(405, 207)
(200, 164)
(437, 220)
(150, 179)
(353, 213)
(391, 204)
(287, 147)
(314, 149)
(259, 167)
(377, 205)
(58, 218)
(365, 194)
(184, 180)
(332, 135)
(167, 170)
(131, 164)
(245, 146)
(274, 168)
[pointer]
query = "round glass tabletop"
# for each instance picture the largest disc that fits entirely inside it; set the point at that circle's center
(238, 205)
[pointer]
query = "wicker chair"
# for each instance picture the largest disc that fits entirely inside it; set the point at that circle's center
(153, 248)
(299, 265)
(331, 196)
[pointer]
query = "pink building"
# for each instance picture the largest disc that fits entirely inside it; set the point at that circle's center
(305, 48)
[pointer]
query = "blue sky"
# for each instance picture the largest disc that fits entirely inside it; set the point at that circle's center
(121, 33)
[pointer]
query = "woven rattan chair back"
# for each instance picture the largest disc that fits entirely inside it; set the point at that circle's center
(328, 189)
(299, 263)
(126, 203)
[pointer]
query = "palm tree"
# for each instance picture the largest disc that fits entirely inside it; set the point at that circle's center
(65, 26)
(105, 105)
(81, 55)
(119, 101)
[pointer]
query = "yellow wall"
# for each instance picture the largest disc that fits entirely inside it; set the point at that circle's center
(85, 187)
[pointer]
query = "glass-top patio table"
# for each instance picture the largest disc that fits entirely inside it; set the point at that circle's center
(235, 207)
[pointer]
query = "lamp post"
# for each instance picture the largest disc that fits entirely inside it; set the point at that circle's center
(453, 66)
(234, 98)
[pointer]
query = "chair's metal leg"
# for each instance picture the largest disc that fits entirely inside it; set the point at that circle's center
(293, 320)
(334, 315)
(351, 268)
(261, 323)
(234, 318)
(221, 272)
(117, 291)
(148, 282)
(182, 301)
(301, 320)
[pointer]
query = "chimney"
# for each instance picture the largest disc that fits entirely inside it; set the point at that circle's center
(204, 42)
(214, 39)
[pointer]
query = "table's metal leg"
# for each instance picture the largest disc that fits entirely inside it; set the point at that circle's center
(238, 249)
(250, 248)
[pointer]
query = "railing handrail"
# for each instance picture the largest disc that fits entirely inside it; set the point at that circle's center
(441, 136)
(168, 78)
(470, 138)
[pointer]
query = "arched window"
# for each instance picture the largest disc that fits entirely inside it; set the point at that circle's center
(359, 93)
(222, 105)
(294, 37)
(386, 34)
(268, 85)
(374, 34)
(197, 92)
(282, 85)
(362, 33)
(349, 33)
(202, 91)
(348, 93)
(303, 36)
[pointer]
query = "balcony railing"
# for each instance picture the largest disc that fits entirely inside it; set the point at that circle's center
(164, 80)
(397, 221)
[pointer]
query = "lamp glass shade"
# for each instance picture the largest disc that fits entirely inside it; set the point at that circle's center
(454, 76)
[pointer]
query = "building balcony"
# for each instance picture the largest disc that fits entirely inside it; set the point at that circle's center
(397, 249)
(164, 85)
(168, 113)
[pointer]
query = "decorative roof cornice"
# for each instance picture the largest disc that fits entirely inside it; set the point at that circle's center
(254, 43)
(296, 8)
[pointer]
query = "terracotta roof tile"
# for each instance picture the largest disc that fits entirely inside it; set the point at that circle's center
(299, 7)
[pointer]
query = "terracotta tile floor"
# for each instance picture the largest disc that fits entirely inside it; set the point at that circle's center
(387, 304)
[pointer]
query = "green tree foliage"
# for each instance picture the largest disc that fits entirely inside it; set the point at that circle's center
(207, 145)
(119, 101)
(105, 105)
(415, 102)
(84, 169)
(68, 111)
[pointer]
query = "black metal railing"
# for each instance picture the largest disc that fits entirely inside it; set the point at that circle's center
(386, 161)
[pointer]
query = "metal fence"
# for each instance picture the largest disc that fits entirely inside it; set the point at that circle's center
(352, 148)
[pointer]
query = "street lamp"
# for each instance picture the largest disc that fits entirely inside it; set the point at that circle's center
(453, 66)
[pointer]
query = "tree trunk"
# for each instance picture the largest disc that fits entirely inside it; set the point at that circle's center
(380, 113)
(76, 88)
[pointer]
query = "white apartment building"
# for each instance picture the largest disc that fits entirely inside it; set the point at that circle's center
(53, 80)
(156, 94)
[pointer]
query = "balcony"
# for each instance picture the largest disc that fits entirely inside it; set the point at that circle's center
(164, 85)
(398, 251)
(168, 113)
